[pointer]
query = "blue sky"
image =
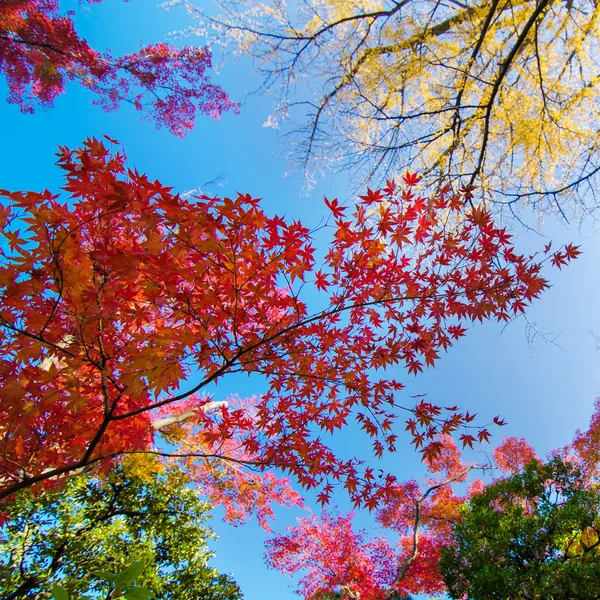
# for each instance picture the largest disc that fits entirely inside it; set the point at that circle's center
(545, 391)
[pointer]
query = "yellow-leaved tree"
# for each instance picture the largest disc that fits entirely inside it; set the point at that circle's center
(502, 94)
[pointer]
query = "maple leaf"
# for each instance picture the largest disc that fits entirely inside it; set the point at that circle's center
(571, 251)
(336, 209)
(559, 259)
(483, 435)
(321, 282)
(411, 179)
(467, 440)
(373, 196)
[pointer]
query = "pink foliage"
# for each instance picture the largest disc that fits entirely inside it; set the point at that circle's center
(447, 462)
(333, 557)
(397, 513)
(40, 51)
(477, 486)
(422, 576)
(223, 474)
(586, 444)
(513, 454)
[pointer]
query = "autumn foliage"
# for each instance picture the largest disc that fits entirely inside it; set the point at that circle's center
(122, 302)
(531, 535)
(40, 52)
(415, 522)
(585, 448)
(513, 454)
(497, 94)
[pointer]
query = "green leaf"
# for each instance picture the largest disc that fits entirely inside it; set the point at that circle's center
(110, 577)
(59, 592)
(138, 593)
(130, 573)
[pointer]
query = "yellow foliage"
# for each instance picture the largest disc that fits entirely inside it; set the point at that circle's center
(142, 467)
(503, 95)
(588, 537)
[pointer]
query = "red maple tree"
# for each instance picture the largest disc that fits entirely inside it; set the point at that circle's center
(121, 304)
(40, 51)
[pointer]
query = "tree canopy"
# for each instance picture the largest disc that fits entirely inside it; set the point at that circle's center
(533, 535)
(141, 511)
(501, 94)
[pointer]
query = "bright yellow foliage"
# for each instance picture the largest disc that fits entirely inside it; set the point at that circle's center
(502, 94)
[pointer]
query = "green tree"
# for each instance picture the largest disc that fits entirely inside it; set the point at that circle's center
(140, 511)
(531, 536)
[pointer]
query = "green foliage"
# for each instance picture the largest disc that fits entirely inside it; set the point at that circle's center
(59, 592)
(533, 535)
(93, 538)
(121, 585)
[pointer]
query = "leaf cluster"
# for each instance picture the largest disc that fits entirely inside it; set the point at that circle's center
(41, 51)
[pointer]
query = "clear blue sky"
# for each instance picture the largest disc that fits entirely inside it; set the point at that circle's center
(545, 392)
